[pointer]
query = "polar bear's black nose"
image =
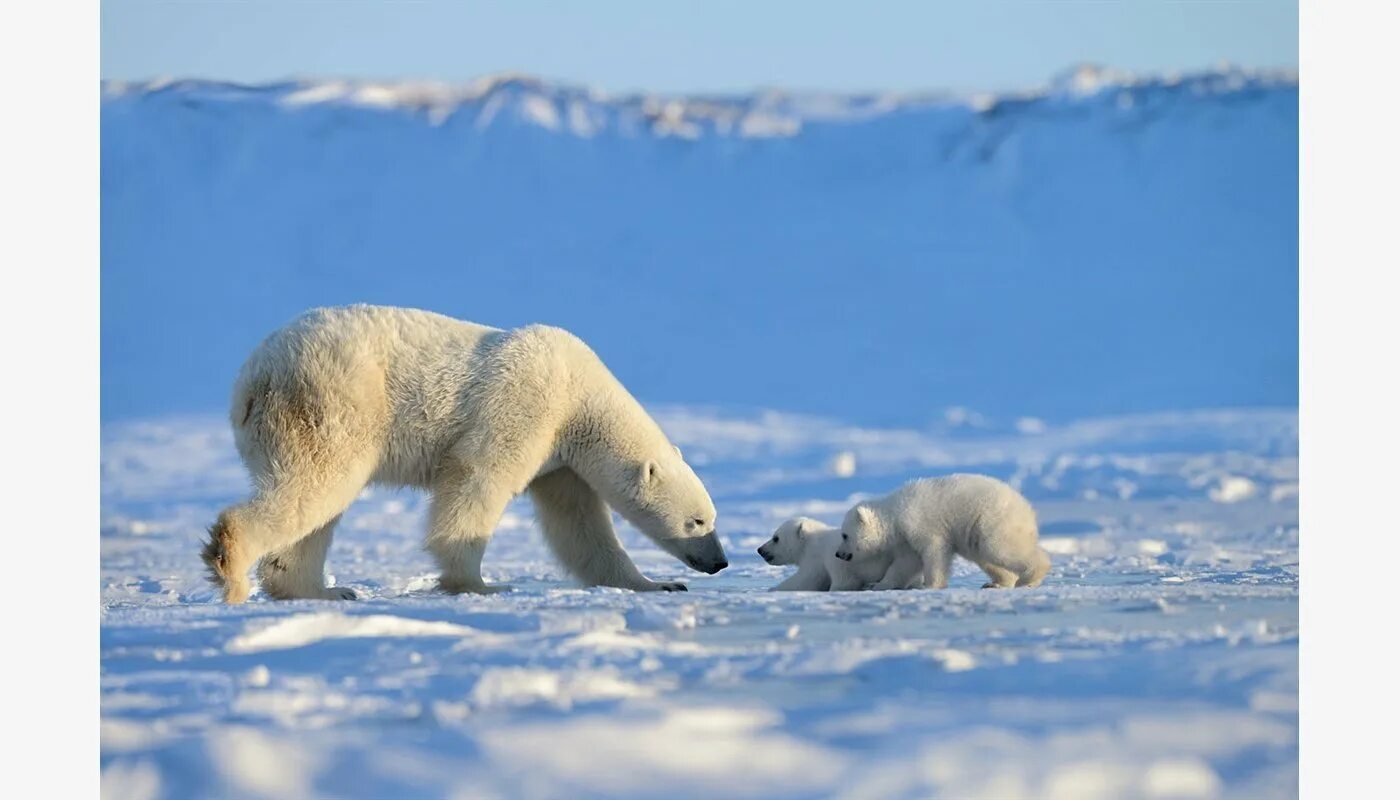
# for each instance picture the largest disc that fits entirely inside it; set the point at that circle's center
(704, 554)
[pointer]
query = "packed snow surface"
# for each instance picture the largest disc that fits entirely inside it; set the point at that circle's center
(1159, 659)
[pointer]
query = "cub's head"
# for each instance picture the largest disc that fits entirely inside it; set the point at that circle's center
(666, 501)
(789, 541)
(862, 534)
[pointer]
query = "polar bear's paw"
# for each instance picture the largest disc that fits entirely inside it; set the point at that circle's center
(665, 586)
(339, 593)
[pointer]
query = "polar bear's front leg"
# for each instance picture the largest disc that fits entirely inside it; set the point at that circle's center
(463, 515)
(578, 526)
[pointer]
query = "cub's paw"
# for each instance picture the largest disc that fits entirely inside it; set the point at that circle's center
(667, 586)
(340, 593)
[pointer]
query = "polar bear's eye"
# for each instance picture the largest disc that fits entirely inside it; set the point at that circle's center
(775, 539)
(844, 536)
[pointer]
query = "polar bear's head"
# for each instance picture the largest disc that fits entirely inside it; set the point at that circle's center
(663, 498)
(789, 541)
(863, 534)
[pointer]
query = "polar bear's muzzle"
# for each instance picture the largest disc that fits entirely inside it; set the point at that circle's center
(702, 553)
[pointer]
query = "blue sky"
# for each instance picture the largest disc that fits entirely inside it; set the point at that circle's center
(719, 45)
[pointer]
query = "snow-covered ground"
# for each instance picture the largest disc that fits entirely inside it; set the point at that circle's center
(1159, 660)
(1032, 285)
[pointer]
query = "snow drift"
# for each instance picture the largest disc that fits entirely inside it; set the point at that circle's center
(1108, 244)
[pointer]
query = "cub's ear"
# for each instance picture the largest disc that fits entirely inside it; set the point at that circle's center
(800, 531)
(678, 451)
(650, 471)
(864, 514)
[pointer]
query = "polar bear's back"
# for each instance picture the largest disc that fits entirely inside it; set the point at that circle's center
(391, 381)
(367, 333)
(359, 349)
(961, 501)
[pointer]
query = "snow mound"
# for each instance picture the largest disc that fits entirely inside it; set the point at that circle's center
(301, 630)
(1032, 238)
(533, 100)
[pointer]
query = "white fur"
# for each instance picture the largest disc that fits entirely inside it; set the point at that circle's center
(811, 545)
(343, 397)
(979, 518)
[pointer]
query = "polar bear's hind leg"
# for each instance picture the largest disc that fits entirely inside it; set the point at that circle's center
(309, 464)
(298, 572)
(274, 521)
(224, 555)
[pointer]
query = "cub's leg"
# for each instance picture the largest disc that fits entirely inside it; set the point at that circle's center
(904, 573)
(1010, 548)
(999, 577)
(1035, 570)
(298, 572)
(845, 583)
(578, 527)
(807, 579)
(935, 560)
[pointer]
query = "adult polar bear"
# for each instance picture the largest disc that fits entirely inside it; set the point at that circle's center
(344, 397)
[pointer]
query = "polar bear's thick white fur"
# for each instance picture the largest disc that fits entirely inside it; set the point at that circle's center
(344, 397)
(811, 545)
(979, 518)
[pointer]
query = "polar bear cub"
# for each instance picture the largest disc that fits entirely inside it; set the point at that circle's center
(979, 518)
(811, 545)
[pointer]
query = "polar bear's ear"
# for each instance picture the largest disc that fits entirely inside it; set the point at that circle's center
(801, 529)
(678, 451)
(649, 472)
(864, 514)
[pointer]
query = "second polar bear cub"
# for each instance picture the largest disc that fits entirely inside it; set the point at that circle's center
(979, 518)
